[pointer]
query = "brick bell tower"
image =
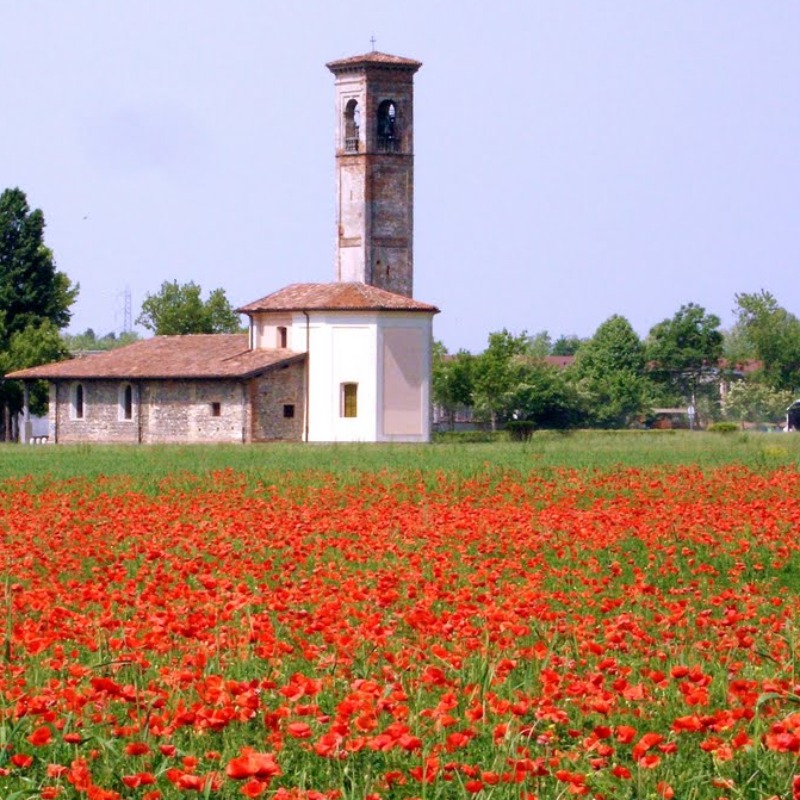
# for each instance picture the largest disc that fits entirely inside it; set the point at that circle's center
(375, 170)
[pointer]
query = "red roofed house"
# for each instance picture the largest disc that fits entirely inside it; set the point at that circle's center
(343, 361)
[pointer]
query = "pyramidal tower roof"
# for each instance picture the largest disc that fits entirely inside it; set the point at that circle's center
(374, 59)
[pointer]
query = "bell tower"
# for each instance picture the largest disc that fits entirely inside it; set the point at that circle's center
(375, 170)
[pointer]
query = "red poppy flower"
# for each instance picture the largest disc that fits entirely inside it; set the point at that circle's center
(665, 790)
(252, 765)
(254, 788)
(299, 730)
(41, 736)
(645, 743)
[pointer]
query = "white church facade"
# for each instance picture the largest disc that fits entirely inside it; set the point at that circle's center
(347, 361)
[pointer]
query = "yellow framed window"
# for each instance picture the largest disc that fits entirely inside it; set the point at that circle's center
(349, 399)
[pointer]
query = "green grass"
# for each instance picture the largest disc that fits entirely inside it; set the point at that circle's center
(602, 450)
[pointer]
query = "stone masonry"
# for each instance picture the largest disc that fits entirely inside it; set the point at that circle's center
(375, 170)
(278, 402)
(161, 412)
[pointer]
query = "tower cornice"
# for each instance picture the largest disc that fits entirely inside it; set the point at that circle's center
(374, 60)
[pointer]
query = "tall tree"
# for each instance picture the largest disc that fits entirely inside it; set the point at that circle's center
(513, 382)
(773, 336)
(178, 309)
(35, 298)
(453, 381)
(496, 374)
(615, 347)
(610, 368)
(543, 395)
(737, 349)
(684, 352)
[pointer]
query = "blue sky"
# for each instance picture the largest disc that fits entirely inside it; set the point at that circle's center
(574, 159)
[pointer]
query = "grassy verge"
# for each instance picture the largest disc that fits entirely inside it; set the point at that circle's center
(546, 450)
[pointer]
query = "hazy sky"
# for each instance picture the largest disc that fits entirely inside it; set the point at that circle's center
(574, 158)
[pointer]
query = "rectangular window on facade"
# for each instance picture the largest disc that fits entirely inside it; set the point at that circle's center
(283, 338)
(216, 409)
(126, 402)
(288, 410)
(78, 401)
(349, 399)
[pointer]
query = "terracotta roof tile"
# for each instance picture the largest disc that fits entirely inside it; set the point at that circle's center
(335, 297)
(374, 59)
(218, 355)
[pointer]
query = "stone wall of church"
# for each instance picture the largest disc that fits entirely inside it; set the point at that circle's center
(212, 411)
(99, 416)
(158, 412)
(277, 400)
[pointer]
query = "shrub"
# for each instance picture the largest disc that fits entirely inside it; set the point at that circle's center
(723, 427)
(470, 437)
(520, 430)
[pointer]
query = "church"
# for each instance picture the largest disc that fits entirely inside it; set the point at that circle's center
(347, 361)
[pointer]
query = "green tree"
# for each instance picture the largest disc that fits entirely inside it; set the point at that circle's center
(514, 383)
(112, 341)
(88, 341)
(737, 349)
(566, 345)
(35, 298)
(222, 318)
(684, 353)
(178, 309)
(772, 336)
(35, 345)
(496, 375)
(615, 347)
(540, 345)
(747, 401)
(453, 380)
(31, 288)
(610, 368)
(542, 395)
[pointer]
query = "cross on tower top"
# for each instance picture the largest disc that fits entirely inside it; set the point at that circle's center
(372, 41)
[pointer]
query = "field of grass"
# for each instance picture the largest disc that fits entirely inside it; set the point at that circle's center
(579, 450)
(605, 615)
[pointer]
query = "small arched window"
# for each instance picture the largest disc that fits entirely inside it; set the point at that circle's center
(283, 339)
(351, 122)
(387, 126)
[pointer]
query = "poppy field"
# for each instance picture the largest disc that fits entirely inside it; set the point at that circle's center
(607, 633)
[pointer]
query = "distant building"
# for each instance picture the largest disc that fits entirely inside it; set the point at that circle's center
(341, 362)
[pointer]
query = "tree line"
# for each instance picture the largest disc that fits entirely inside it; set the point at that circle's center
(616, 379)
